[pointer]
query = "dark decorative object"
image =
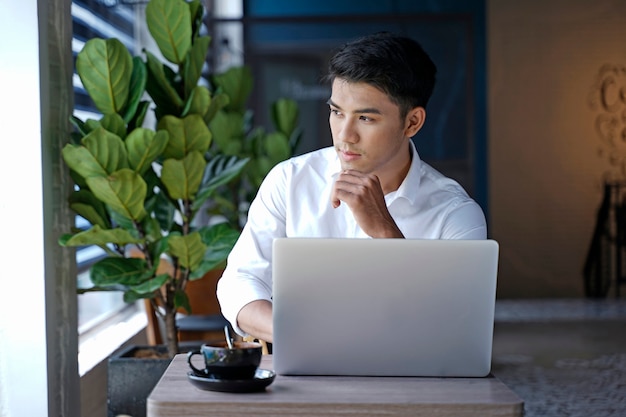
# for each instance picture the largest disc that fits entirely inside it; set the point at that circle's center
(606, 259)
(607, 98)
(605, 263)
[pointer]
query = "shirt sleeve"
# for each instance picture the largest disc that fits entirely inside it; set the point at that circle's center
(248, 273)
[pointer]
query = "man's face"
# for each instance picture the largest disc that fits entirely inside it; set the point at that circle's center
(368, 133)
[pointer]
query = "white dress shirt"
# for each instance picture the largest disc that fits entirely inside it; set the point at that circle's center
(294, 200)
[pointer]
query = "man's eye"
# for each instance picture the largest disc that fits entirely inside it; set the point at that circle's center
(366, 119)
(335, 112)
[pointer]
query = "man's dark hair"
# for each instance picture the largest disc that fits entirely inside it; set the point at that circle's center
(395, 64)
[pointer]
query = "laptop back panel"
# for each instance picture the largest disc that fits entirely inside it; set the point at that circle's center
(383, 307)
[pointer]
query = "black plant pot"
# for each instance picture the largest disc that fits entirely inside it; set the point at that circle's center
(131, 379)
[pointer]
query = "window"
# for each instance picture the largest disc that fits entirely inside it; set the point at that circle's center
(90, 19)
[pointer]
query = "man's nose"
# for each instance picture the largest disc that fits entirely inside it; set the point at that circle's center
(348, 133)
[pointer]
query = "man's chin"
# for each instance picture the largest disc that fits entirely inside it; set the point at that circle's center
(354, 167)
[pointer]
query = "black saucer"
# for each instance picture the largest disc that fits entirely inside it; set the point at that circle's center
(261, 380)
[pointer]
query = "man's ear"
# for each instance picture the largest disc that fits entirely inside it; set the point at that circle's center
(415, 119)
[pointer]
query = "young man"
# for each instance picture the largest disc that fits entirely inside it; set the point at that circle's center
(371, 183)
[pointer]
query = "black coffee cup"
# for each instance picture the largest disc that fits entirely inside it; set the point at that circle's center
(222, 362)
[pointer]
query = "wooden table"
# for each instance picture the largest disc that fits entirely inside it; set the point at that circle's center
(174, 396)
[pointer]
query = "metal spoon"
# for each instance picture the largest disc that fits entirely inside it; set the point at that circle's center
(229, 341)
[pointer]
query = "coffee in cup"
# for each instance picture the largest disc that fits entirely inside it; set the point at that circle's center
(221, 362)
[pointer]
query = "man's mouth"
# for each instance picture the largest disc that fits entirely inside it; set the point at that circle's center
(347, 155)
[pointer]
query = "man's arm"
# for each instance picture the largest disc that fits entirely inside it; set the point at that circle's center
(255, 318)
(466, 221)
(245, 289)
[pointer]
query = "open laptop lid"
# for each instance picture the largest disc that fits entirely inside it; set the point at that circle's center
(390, 307)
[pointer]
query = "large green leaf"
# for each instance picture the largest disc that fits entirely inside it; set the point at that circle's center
(219, 170)
(124, 192)
(294, 139)
(276, 145)
(85, 204)
(119, 271)
(227, 132)
(114, 123)
(152, 179)
(186, 135)
(80, 126)
(144, 147)
(90, 126)
(147, 288)
(197, 15)
(102, 153)
(140, 115)
(100, 237)
(151, 229)
(182, 178)
(161, 88)
(82, 161)
(105, 68)
(220, 239)
(120, 220)
(107, 148)
(163, 209)
(169, 23)
(194, 61)
(212, 260)
(181, 300)
(258, 169)
(199, 101)
(188, 249)
(219, 236)
(285, 115)
(137, 87)
(158, 247)
(79, 181)
(218, 102)
(236, 82)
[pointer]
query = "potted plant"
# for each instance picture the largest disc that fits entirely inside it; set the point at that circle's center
(160, 152)
(262, 149)
(141, 187)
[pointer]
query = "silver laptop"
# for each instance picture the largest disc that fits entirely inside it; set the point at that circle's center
(384, 307)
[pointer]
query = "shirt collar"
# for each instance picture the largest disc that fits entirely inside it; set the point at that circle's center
(408, 188)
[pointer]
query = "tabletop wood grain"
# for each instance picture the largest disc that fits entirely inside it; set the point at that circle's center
(304, 396)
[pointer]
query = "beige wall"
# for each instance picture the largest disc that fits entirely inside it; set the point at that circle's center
(545, 167)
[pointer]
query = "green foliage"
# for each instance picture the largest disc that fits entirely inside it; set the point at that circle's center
(105, 70)
(139, 186)
(170, 26)
(264, 150)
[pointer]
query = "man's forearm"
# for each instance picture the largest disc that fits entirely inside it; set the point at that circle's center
(255, 319)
